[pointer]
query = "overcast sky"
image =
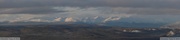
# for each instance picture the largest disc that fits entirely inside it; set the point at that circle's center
(20, 10)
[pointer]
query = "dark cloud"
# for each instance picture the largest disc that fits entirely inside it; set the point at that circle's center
(85, 3)
(154, 7)
(33, 10)
(141, 11)
(155, 11)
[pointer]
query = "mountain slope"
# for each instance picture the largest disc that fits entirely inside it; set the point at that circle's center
(175, 25)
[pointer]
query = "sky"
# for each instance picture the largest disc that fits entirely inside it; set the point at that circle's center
(39, 10)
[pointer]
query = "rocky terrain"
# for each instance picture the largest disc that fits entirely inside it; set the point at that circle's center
(85, 32)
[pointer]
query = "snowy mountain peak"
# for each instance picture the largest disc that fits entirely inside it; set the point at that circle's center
(175, 25)
(57, 19)
(96, 17)
(39, 20)
(171, 33)
(70, 19)
(111, 19)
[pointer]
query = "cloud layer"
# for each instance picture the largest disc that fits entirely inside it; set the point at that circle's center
(129, 6)
(83, 3)
(30, 10)
(48, 9)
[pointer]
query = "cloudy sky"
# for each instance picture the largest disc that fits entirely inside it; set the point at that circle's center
(159, 10)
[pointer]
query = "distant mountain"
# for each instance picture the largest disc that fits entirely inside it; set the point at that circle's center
(95, 19)
(105, 21)
(175, 25)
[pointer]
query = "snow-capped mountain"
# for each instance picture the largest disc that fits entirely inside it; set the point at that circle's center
(57, 19)
(95, 19)
(111, 19)
(105, 21)
(175, 25)
(70, 19)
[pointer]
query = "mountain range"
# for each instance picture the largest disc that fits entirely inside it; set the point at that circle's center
(106, 21)
(175, 25)
(96, 19)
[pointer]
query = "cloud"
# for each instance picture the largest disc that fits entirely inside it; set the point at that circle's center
(146, 11)
(23, 10)
(91, 11)
(124, 6)
(92, 3)
(73, 12)
(17, 17)
(31, 10)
